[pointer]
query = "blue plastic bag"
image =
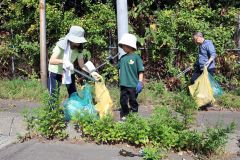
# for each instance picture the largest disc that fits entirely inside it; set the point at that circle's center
(217, 89)
(79, 103)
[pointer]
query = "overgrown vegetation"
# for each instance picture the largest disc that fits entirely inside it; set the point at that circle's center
(28, 89)
(154, 93)
(169, 127)
(48, 121)
(159, 133)
(230, 101)
(164, 29)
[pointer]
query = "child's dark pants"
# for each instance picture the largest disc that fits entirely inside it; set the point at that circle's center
(128, 95)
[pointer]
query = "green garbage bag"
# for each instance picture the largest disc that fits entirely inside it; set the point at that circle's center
(217, 89)
(79, 103)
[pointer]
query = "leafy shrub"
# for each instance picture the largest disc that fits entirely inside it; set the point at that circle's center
(84, 121)
(157, 87)
(48, 121)
(153, 153)
(186, 106)
(189, 140)
(136, 130)
(214, 139)
(102, 130)
(161, 132)
(208, 142)
(236, 91)
(163, 128)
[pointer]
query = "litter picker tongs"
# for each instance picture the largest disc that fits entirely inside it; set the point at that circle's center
(110, 57)
(85, 75)
(183, 72)
(89, 77)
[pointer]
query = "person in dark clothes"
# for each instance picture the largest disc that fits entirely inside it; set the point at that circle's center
(206, 56)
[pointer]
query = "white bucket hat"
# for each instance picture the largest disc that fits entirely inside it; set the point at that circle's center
(129, 40)
(75, 35)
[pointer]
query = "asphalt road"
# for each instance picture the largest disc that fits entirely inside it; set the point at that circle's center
(11, 124)
(36, 150)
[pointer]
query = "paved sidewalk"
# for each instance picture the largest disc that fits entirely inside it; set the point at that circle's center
(211, 118)
(11, 120)
(11, 125)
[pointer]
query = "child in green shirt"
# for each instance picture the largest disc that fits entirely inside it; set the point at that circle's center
(131, 75)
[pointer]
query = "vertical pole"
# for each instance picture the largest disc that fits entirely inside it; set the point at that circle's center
(238, 38)
(122, 21)
(43, 57)
(13, 66)
(238, 32)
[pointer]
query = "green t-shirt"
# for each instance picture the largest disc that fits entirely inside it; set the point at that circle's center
(58, 68)
(130, 65)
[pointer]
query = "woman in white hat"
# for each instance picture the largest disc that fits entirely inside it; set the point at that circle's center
(61, 61)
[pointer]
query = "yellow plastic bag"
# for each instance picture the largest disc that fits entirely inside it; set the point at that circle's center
(103, 99)
(201, 90)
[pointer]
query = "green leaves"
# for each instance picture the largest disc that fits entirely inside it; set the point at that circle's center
(99, 26)
(47, 121)
(159, 25)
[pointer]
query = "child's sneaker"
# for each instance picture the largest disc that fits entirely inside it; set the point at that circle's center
(123, 119)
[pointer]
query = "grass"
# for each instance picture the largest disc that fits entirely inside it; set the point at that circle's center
(30, 89)
(115, 95)
(229, 100)
(154, 93)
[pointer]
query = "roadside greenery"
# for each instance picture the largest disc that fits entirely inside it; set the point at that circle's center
(164, 29)
(47, 121)
(21, 89)
(169, 127)
(230, 101)
(154, 93)
(28, 89)
(159, 133)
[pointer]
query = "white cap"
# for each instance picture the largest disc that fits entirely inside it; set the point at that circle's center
(129, 40)
(76, 35)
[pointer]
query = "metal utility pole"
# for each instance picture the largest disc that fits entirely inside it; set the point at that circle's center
(43, 50)
(122, 21)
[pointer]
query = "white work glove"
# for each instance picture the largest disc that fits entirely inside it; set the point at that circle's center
(95, 75)
(68, 65)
